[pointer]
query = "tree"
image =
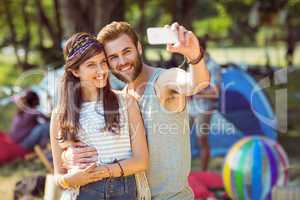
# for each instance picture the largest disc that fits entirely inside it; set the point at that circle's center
(293, 31)
(24, 41)
(52, 26)
(37, 27)
(26, 19)
(182, 11)
(90, 16)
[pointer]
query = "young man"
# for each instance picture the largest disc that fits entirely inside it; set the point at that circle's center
(162, 99)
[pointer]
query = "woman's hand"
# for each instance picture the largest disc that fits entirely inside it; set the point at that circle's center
(85, 176)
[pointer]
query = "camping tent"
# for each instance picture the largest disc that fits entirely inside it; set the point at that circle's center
(243, 110)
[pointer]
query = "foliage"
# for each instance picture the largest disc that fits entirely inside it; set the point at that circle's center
(217, 25)
(34, 27)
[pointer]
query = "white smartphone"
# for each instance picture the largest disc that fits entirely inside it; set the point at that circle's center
(159, 35)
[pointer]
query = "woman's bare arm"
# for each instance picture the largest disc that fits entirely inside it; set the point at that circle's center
(56, 149)
(140, 156)
(78, 177)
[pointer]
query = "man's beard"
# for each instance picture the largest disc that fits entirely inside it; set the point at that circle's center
(137, 67)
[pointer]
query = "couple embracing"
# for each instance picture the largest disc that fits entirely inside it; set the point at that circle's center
(129, 144)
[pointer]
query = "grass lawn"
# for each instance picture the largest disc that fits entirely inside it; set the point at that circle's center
(16, 171)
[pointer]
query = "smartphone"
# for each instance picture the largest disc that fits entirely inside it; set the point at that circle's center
(159, 35)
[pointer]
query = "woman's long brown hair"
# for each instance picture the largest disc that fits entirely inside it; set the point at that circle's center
(71, 97)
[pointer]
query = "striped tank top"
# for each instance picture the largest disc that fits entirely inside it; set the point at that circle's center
(110, 146)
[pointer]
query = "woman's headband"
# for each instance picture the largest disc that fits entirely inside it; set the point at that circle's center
(82, 45)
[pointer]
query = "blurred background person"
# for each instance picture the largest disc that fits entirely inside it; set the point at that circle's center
(29, 126)
(201, 107)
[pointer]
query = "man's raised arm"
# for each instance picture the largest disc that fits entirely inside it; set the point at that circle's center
(178, 80)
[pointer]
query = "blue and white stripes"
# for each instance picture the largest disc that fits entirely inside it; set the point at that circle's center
(110, 146)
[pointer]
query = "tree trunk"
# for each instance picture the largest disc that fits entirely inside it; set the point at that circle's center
(12, 30)
(106, 12)
(27, 37)
(58, 20)
(90, 16)
(53, 54)
(182, 12)
(25, 42)
(46, 22)
(141, 24)
(290, 42)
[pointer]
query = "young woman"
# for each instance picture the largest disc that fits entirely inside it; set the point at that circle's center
(90, 112)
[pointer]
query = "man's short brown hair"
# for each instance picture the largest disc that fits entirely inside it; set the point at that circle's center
(114, 30)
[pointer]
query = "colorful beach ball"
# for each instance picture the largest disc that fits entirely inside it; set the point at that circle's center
(252, 167)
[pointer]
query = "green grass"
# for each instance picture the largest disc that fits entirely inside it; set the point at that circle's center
(16, 171)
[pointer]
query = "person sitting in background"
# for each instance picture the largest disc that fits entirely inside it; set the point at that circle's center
(26, 128)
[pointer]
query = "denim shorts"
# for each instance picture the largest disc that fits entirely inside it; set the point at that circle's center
(120, 188)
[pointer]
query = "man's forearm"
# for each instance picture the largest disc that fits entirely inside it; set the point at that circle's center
(186, 83)
(198, 77)
(209, 93)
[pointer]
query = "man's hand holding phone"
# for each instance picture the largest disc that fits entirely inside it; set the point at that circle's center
(178, 40)
(161, 35)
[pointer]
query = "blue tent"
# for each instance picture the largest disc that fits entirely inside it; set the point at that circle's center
(244, 110)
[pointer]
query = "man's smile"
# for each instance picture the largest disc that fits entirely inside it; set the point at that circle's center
(126, 68)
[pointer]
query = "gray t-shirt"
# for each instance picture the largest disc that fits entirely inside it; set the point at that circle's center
(169, 147)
